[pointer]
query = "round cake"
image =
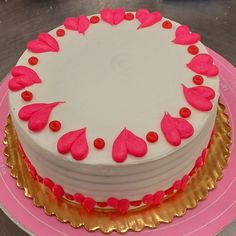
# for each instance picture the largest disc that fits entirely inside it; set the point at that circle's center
(114, 110)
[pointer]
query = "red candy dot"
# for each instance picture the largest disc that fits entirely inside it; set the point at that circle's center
(152, 137)
(167, 24)
(184, 112)
(94, 19)
(55, 125)
(129, 16)
(198, 79)
(60, 32)
(27, 96)
(192, 49)
(33, 61)
(99, 143)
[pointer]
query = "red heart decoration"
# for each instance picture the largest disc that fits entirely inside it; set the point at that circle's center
(22, 77)
(183, 36)
(74, 142)
(199, 97)
(37, 114)
(44, 43)
(147, 18)
(80, 24)
(203, 64)
(128, 143)
(175, 129)
(113, 17)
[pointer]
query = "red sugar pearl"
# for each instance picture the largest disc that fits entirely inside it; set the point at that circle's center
(55, 125)
(102, 204)
(167, 24)
(129, 16)
(69, 196)
(60, 32)
(33, 61)
(198, 79)
(152, 137)
(27, 96)
(184, 112)
(94, 19)
(99, 143)
(192, 49)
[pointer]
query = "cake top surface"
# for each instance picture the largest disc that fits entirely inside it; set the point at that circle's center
(119, 83)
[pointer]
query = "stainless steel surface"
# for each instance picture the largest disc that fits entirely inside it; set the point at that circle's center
(21, 20)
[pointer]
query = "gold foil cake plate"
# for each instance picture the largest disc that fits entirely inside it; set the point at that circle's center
(197, 189)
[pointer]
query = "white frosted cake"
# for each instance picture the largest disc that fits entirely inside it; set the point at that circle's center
(114, 110)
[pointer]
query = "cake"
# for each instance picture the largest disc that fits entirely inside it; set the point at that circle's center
(115, 110)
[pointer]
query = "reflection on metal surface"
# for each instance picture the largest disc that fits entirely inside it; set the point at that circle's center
(204, 180)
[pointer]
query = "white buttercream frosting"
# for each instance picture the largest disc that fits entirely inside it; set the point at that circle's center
(111, 78)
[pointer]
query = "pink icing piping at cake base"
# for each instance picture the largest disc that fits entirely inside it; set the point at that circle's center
(121, 205)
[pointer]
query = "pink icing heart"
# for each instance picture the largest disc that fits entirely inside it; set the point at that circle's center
(113, 17)
(199, 97)
(22, 77)
(175, 129)
(147, 18)
(203, 64)
(183, 36)
(37, 114)
(74, 142)
(80, 24)
(44, 43)
(128, 143)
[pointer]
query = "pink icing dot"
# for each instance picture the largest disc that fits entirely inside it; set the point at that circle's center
(58, 191)
(123, 205)
(112, 202)
(88, 204)
(79, 198)
(49, 183)
(148, 199)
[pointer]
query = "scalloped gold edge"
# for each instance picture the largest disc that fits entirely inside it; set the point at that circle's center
(197, 189)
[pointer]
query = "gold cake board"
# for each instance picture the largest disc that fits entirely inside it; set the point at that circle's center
(197, 189)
